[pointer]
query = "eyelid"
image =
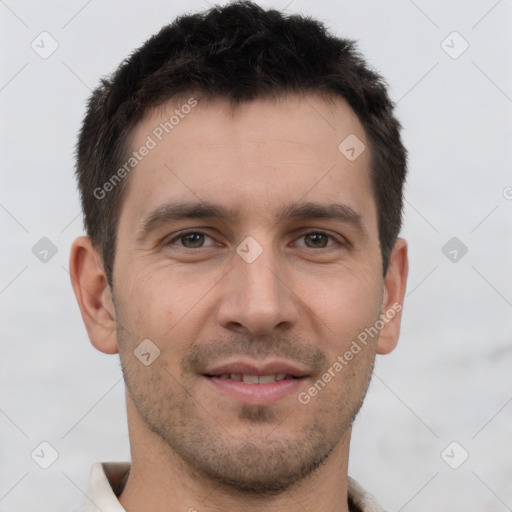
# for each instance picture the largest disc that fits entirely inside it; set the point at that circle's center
(176, 236)
(338, 239)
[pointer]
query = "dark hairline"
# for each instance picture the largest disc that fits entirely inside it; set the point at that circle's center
(306, 58)
(328, 95)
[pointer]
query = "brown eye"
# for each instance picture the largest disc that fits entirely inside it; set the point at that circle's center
(192, 240)
(316, 240)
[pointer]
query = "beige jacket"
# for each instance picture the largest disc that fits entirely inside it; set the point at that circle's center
(108, 479)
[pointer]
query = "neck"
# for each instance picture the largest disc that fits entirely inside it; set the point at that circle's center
(160, 480)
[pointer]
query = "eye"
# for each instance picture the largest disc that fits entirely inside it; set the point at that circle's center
(316, 240)
(192, 240)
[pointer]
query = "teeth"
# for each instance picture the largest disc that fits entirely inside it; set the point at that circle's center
(255, 379)
(250, 379)
(267, 379)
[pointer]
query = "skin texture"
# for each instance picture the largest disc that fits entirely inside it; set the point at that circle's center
(201, 303)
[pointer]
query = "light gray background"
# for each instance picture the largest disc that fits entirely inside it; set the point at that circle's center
(450, 378)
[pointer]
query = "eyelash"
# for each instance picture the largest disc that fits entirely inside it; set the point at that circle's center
(194, 232)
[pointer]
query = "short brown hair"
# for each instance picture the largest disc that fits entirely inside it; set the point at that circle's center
(239, 52)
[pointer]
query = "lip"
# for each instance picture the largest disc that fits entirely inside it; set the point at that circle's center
(256, 394)
(259, 369)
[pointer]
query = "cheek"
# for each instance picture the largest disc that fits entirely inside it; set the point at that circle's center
(158, 305)
(346, 305)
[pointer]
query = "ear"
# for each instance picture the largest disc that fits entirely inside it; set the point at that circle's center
(93, 294)
(393, 297)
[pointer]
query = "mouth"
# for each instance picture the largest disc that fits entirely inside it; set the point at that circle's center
(256, 384)
(254, 379)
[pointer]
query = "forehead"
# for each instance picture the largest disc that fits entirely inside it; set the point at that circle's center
(251, 156)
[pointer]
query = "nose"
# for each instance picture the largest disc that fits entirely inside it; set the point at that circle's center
(258, 297)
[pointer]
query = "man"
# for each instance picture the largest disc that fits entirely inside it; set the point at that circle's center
(241, 178)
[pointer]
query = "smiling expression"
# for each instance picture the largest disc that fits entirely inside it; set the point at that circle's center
(248, 253)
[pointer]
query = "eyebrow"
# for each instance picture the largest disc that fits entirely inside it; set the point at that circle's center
(173, 212)
(334, 211)
(168, 213)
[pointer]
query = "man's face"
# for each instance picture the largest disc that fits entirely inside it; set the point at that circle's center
(247, 252)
